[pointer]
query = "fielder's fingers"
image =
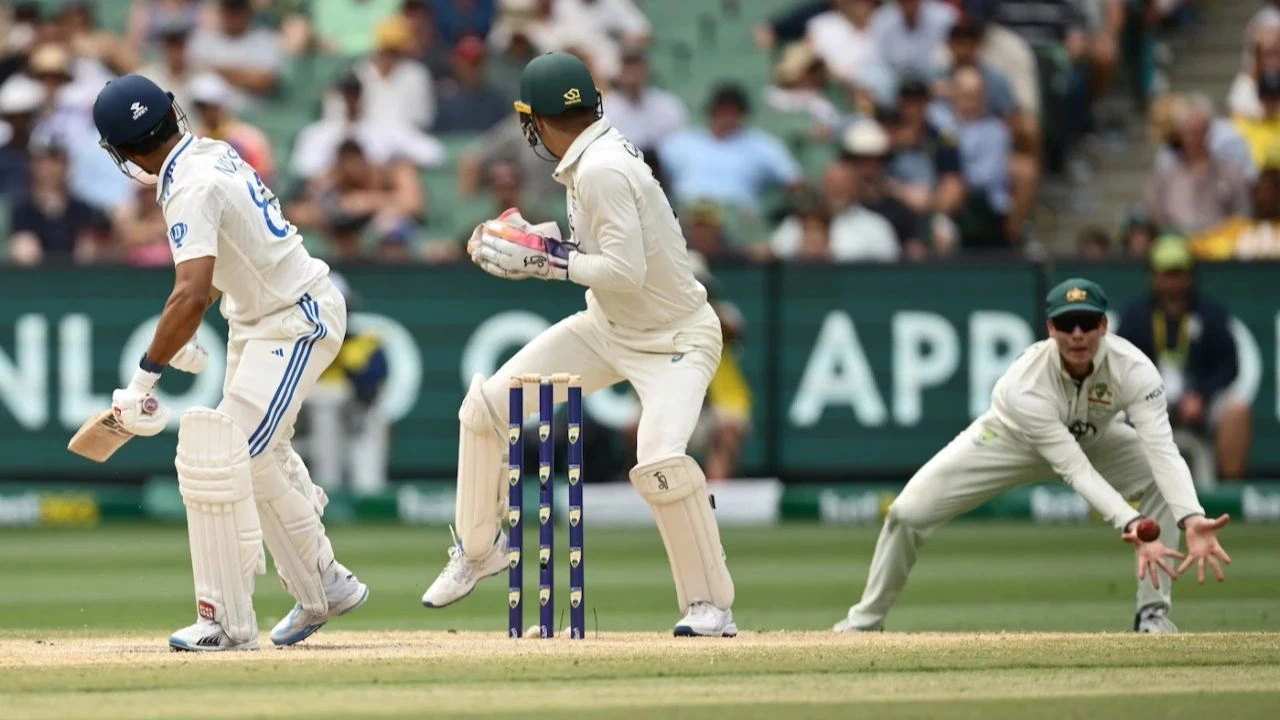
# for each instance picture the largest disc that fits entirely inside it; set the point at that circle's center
(1219, 522)
(1168, 570)
(1222, 555)
(1200, 570)
(1170, 552)
(1217, 569)
(1142, 569)
(1185, 564)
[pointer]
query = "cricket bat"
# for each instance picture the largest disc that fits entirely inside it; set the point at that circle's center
(99, 437)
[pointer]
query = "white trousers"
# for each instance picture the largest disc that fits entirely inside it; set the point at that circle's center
(976, 467)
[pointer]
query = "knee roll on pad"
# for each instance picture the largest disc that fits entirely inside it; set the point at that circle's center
(481, 449)
(676, 490)
(290, 508)
(223, 528)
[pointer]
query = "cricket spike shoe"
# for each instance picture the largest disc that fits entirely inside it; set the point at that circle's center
(342, 589)
(460, 576)
(207, 636)
(1154, 618)
(706, 620)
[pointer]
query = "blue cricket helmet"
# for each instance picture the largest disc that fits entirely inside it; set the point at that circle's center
(129, 111)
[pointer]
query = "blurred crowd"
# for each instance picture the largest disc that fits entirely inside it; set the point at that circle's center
(929, 126)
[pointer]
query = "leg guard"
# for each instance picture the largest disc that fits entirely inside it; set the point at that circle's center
(481, 469)
(222, 524)
(290, 507)
(676, 491)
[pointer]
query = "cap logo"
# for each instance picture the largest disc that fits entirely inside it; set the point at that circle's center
(138, 110)
(573, 96)
(1077, 295)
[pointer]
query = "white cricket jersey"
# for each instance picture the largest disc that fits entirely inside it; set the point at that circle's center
(630, 251)
(215, 205)
(1037, 400)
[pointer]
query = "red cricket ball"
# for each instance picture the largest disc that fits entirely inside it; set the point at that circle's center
(1147, 530)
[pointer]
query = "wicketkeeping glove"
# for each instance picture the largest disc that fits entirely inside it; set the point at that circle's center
(509, 247)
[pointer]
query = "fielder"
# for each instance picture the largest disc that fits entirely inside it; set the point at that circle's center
(240, 480)
(647, 321)
(1053, 413)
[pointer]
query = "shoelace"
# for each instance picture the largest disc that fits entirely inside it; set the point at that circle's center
(457, 557)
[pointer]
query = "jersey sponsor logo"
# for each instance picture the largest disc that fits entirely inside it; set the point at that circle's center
(177, 233)
(1154, 394)
(278, 352)
(572, 96)
(1100, 394)
(138, 110)
(1081, 430)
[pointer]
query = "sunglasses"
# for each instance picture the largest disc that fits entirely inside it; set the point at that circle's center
(1087, 322)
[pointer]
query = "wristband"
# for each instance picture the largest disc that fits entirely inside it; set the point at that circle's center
(149, 366)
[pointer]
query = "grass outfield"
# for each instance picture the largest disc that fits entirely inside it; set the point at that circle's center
(84, 615)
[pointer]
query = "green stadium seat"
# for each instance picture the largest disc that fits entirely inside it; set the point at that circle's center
(5, 221)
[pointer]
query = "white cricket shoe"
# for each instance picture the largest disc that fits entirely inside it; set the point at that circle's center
(1154, 618)
(847, 626)
(342, 589)
(461, 575)
(207, 636)
(706, 620)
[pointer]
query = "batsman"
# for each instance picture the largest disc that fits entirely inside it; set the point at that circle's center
(646, 321)
(1055, 413)
(240, 480)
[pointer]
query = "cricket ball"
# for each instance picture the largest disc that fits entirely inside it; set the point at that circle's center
(1147, 530)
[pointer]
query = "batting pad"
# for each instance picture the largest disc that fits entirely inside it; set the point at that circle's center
(222, 523)
(676, 491)
(481, 459)
(290, 508)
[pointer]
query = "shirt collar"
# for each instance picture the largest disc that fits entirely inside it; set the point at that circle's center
(593, 132)
(171, 161)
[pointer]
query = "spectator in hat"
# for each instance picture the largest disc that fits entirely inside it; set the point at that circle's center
(316, 148)
(397, 88)
(213, 119)
(20, 101)
(1188, 336)
(247, 55)
(856, 234)
(729, 162)
(1252, 237)
(909, 33)
(800, 86)
(51, 223)
(468, 103)
(1263, 132)
(645, 114)
(864, 146)
(925, 160)
(171, 69)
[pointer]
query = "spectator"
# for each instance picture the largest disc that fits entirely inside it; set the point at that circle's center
(865, 147)
(619, 19)
(1195, 190)
(559, 27)
(51, 223)
(248, 56)
(214, 120)
(801, 87)
(789, 25)
(1256, 237)
(99, 55)
(148, 20)
(433, 51)
(962, 47)
(645, 114)
(347, 28)
(468, 103)
(985, 146)
(1093, 244)
(925, 163)
(67, 120)
(705, 232)
(842, 38)
(171, 70)
(1225, 142)
(459, 18)
(728, 162)
(1188, 337)
(316, 148)
(856, 234)
(909, 33)
(142, 231)
(1263, 133)
(361, 206)
(1138, 233)
(506, 185)
(20, 100)
(1267, 18)
(505, 142)
(1243, 100)
(397, 88)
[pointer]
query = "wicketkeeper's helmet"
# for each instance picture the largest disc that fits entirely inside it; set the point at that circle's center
(553, 84)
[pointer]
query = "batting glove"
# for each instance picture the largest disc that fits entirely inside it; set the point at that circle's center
(190, 359)
(137, 409)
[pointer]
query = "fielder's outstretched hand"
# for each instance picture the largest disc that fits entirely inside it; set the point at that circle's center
(1151, 558)
(1202, 546)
